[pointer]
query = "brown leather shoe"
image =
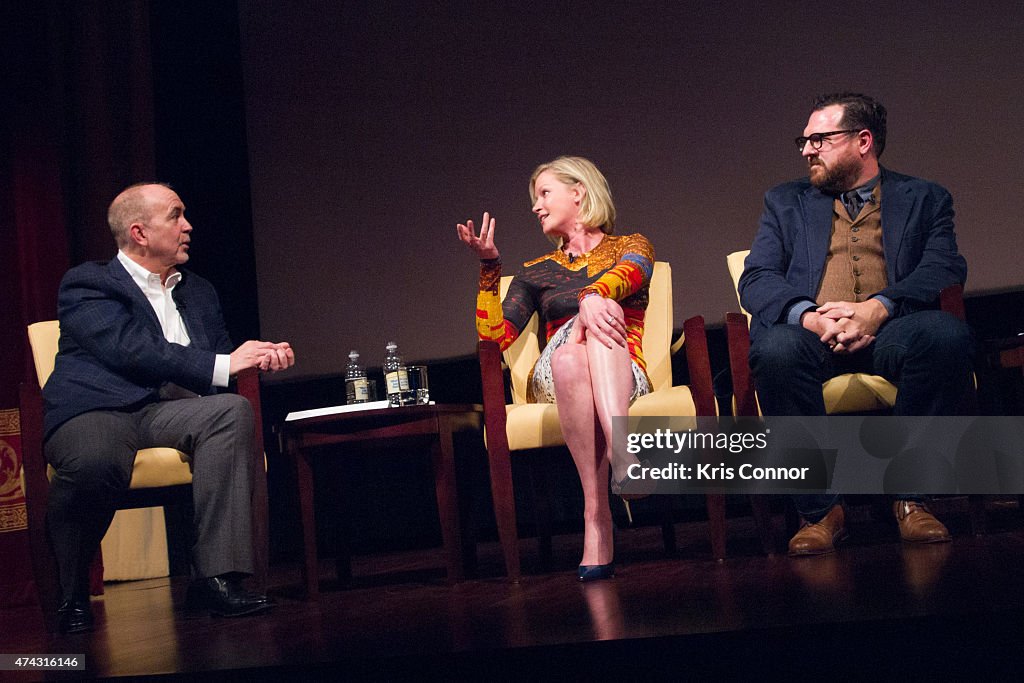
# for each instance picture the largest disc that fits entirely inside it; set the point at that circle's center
(819, 538)
(918, 524)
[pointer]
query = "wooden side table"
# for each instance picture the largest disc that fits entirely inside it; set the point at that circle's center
(302, 441)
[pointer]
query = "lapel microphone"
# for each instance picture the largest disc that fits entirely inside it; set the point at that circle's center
(179, 295)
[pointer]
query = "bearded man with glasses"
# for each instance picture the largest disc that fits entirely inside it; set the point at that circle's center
(844, 276)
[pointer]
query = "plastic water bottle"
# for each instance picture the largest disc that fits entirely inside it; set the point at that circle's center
(397, 379)
(357, 387)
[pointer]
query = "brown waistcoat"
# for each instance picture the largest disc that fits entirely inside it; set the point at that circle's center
(855, 265)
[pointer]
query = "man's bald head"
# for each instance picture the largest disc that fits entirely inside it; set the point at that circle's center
(133, 205)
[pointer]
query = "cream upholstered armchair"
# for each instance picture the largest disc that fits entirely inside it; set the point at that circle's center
(855, 392)
(521, 426)
(535, 425)
(160, 476)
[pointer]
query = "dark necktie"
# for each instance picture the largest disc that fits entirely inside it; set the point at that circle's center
(853, 203)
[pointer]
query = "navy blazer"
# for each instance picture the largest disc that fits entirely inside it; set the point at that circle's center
(787, 260)
(112, 352)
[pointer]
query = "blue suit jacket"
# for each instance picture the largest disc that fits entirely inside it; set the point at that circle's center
(787, 259)
(112, 351)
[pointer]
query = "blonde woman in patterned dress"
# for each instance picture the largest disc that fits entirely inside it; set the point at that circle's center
(591, 292)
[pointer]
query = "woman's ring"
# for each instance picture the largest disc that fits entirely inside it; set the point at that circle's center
(609, 320)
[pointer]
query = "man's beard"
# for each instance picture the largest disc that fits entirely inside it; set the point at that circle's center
(837, 179)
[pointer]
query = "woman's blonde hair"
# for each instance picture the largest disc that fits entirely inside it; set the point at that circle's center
(596, 208)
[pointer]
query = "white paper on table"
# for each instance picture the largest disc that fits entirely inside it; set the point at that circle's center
(335, 410)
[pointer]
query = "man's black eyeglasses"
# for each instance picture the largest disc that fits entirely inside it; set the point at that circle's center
(817, 139)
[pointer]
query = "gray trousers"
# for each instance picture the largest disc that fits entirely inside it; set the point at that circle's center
(93, 455)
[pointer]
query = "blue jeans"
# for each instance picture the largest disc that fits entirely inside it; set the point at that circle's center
(927, 355)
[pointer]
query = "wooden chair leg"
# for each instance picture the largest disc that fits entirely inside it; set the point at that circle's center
(540, 486)
(260, 530)
(498, 457)
(44, 563)
(716, 524)
(505, 513)
(761, 511)
(96, 574)
(668, 527)
(248, 385)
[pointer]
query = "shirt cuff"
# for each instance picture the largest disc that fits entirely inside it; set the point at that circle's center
(889, 304)
(797, 310)
(222, 370)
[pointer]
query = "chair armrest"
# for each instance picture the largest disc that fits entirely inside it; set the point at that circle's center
(33, 460)
(951, 300)
(737, 333)
(247, 383)
(699, 365)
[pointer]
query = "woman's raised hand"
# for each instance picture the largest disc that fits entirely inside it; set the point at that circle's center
(483, 245)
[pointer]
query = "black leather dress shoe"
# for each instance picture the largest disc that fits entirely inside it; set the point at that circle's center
(225, 597)
(74, 616)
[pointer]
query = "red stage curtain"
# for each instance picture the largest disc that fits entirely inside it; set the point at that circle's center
(77, 128)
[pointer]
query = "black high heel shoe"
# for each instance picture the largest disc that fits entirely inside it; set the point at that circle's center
(595, 572)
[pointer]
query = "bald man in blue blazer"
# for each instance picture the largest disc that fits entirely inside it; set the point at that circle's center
(143, 355)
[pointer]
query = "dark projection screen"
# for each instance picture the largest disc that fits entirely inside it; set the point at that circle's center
(374, 127)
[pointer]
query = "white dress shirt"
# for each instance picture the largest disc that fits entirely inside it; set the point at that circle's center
(171, 323)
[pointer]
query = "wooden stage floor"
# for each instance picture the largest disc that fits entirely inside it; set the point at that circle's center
(875, 605)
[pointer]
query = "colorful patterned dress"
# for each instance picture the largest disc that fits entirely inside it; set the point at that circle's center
(619, 267)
